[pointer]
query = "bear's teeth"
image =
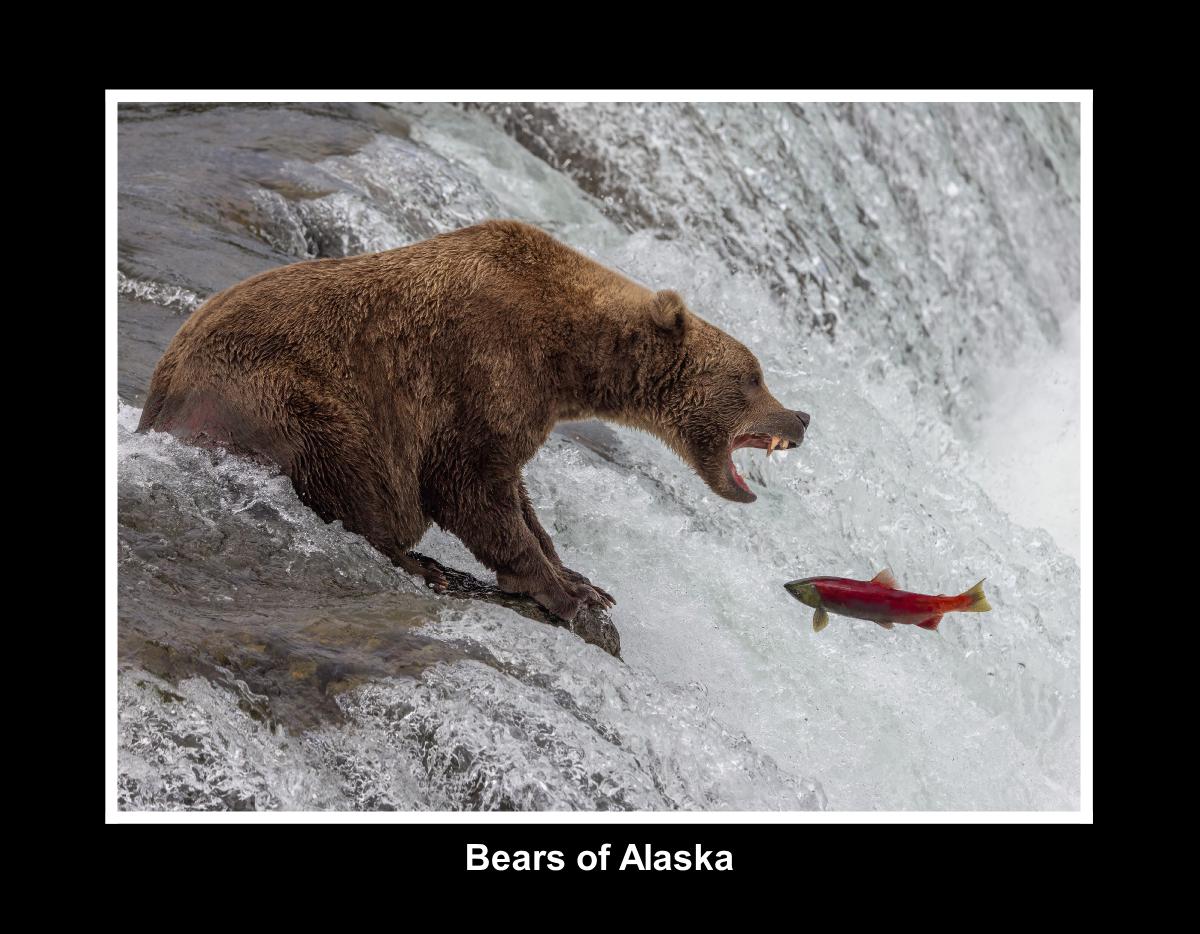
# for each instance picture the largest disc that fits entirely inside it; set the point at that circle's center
(775, 439)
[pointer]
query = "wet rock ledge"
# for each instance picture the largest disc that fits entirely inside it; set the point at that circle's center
(591, 624)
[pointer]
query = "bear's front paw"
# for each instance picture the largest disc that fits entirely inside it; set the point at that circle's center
(429, 570)
(564, 606)
(578, 585)
(548, 592)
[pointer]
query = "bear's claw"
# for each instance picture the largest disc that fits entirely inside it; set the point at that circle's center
(594, 596)
(429, 570)
(580, 586)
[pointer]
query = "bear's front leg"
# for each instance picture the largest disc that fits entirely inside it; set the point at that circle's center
(573, 581)
(489, 519)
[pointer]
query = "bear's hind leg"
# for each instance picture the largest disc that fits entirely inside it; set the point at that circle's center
(339, 469)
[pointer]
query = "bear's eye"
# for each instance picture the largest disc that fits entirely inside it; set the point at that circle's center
(753, 380)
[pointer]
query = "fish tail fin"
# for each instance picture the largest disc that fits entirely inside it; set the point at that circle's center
(978, 602)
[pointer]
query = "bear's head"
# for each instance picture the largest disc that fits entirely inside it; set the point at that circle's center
(709, 397)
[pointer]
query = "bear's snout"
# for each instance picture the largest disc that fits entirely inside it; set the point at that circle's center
(805, 418)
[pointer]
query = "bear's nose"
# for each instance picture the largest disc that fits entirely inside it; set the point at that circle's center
(804, 417)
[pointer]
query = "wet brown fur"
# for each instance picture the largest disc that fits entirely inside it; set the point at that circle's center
(407, 387)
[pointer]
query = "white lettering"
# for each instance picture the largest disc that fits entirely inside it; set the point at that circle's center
(518, 861)
(698, 858)
(477, 856)
(633, 856)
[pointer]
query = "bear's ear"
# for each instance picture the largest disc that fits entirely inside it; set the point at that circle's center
(669, 313)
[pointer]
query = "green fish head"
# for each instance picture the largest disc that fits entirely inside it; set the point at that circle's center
(805, 592)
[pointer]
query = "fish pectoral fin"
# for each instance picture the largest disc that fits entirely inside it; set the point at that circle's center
(887, 625)
(820, 619)
(931, 623)
(885, 578)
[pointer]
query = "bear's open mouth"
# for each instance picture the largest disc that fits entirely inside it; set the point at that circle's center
(769, 443)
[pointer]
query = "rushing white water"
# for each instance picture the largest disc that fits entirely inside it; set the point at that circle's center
(940, 248)
(1027, 451)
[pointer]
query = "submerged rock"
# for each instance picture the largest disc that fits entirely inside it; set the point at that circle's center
(593, 625)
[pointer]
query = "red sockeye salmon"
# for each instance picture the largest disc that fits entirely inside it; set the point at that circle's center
(879, 601)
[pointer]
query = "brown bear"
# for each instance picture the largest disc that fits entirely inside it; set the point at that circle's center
(407, 387)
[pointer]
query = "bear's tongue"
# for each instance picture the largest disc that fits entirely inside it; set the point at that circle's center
(737, 477)
(767, 443)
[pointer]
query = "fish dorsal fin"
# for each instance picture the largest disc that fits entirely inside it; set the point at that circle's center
(931, 623)
(885, 578)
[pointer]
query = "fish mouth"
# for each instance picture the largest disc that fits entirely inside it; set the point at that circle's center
(804, 591)
(767, 441)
